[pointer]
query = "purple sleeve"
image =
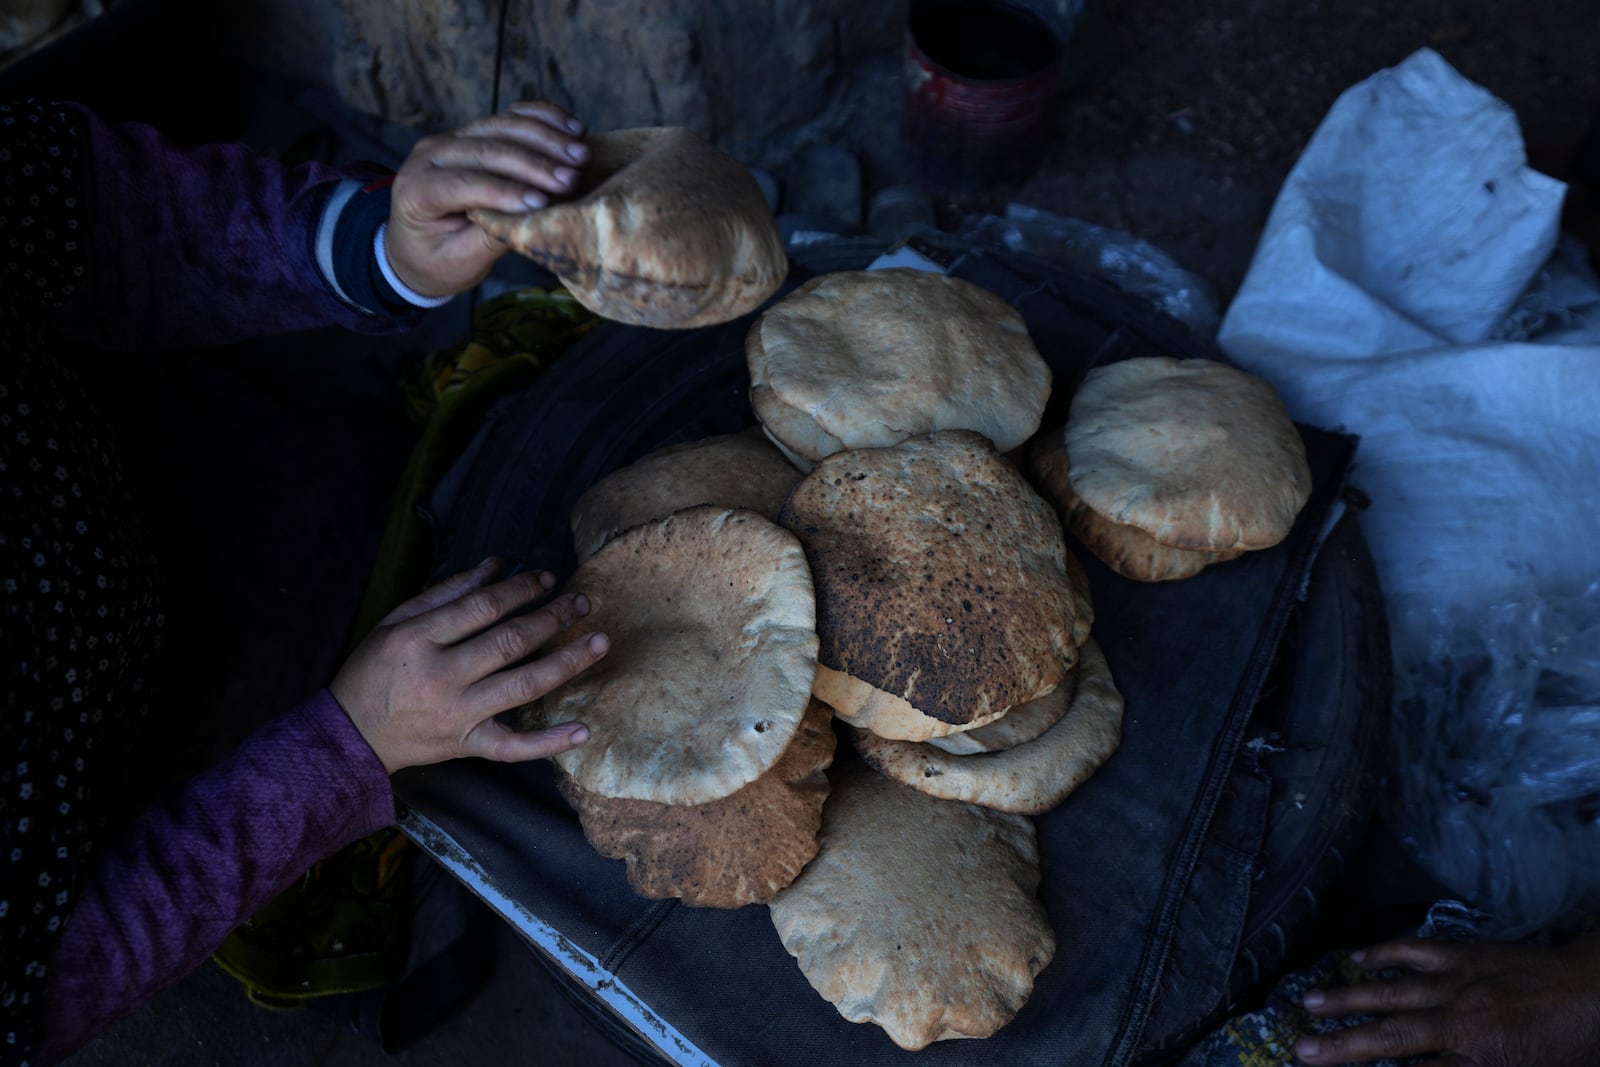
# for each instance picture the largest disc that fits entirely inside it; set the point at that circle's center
(160, 898)
(206, 245)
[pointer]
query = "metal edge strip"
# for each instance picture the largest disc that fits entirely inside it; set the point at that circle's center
(583, 968)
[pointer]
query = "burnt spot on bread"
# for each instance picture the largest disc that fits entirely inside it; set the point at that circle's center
(957, 626)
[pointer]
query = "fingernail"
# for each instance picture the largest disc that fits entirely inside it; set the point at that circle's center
(580, 604)
(599, 644)
(1307, 1046)
(1314, 1000)
(574, 125)
(547, 580)
(578, 734)
(577, 152)
(534, 200)
(564, 175)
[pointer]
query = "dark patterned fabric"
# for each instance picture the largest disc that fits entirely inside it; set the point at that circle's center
(79, 617)
(162, 892)
(112, 238)
(1265, 1037)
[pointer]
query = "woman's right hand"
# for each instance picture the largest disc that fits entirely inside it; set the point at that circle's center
(515, 162)
(426, 684)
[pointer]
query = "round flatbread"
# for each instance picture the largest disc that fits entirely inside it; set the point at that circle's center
(1127, 550)
(864, 359)
(1018, 726)
(739, 470)
(1030, 778)
(731, 852)
(943, 594)
(1194, 453)
(665, 230)
(918, 915)
(713, 653)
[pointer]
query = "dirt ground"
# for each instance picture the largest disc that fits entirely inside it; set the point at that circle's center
(1204, 106)
(1180, 118)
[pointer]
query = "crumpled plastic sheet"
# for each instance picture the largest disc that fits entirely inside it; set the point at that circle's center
(1412, 287)
(1496, 742)
(1129, 263)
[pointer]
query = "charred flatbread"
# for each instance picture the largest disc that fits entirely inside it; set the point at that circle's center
(727, 853)
(943, 592)
(1030, 778)
(1019, 725)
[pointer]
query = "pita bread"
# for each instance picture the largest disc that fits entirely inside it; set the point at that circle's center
(1018, 726)
(1029, 779)
(665, 230)
(918, 914)
(1130, 552)
(713, 652)
(1192, 452)
(943, 595)
(740, 470)
(731, 852)
(864, 359)
(862, 704)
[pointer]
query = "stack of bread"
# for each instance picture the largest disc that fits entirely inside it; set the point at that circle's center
(872, 555)
(1166, 466)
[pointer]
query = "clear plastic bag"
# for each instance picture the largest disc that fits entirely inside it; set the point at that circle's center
(1129, 263)
(1496, 756)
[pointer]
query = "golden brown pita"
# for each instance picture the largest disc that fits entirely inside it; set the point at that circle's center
(864, 359)
(1130, 552)
(666, 231)
(713, 654)
(1030, 778)
(943, 595)
(740, 470)
(1194, 453)
(728, 853)
(918, 914)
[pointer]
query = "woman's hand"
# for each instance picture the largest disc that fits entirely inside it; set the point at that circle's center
(426, 684)
(1472, 1005)
(514, 161)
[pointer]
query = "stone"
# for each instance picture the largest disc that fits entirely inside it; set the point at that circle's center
(728, 70)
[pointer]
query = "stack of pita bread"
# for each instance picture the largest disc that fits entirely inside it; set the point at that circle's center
(910, 583)
(704, 766)
(1167, 466)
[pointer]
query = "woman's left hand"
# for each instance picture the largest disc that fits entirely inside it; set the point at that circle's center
(514, 161)
(1471, 1005)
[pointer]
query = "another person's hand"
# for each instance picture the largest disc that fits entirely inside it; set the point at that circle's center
(1472, 1005)
(514, 161)
(426, 684)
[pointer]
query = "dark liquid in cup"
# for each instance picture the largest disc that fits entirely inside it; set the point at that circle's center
(985, 40)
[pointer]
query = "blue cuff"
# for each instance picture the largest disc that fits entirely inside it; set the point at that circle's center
(352, 219)
(380, 256)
